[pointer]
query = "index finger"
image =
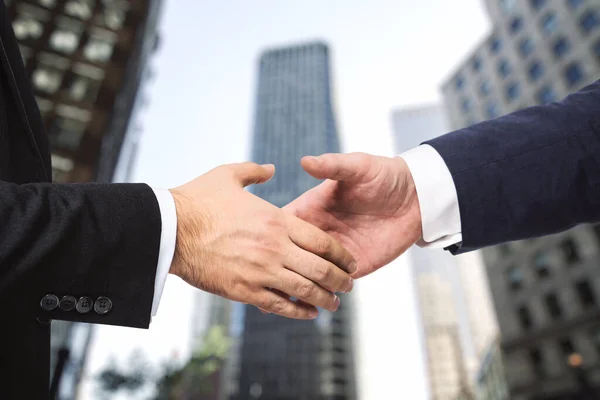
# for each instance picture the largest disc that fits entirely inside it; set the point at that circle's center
(313, 239)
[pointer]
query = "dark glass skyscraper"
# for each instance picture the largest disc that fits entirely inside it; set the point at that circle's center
(284, 359)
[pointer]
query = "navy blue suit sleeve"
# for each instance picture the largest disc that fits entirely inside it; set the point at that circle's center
(530, 173)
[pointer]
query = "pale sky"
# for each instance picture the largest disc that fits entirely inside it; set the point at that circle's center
(386, 54)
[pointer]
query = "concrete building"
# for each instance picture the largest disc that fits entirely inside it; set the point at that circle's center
(285, 359)
(86, 60)
(455, 340)
(545, 290)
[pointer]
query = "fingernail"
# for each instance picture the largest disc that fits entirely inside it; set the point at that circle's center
(352, 267)
(350, 286)
(313, 314)
(336, 301)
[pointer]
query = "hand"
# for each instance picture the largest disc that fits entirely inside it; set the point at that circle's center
(369, 203)
(234, 244)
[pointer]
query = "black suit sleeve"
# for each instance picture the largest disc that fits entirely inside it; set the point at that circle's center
(81, 240)
(530, 173)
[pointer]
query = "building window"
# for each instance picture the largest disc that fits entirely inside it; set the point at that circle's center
(460, 82)
(575, 4)
(81, 9)
(66, 133)
(541, 265)
(537, 4)
(64, 41)
(491, 110)
(585, 293)
(515, 278)
(47, 3)
(566, 346)
(536, 70)
(524, 317)
(546, 95)
(495, 45)
(46, 79)
(573, 74)
(561, 47)
(476, 64)
(537, 363)
(516, 24)
(589, 21)
(570, 251)
(485, 88)
(467, 105)
(99, 47)
(549, 23)
(27, 27)
(553, 306)
(504, 68)
(596, 338)
(61, 168)
(512, 91)
(526, 47)
(113, 17)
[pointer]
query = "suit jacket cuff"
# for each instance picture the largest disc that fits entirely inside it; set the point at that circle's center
(168, 236)
(438, 200)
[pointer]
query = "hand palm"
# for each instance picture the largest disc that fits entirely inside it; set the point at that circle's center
(370, 210)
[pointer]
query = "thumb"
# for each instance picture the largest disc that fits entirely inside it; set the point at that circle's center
(249, 173)
(338, 167)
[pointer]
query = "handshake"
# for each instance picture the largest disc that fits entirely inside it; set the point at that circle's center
(234, 244)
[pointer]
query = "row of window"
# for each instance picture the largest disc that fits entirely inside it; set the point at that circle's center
(542, 267)
(112, 13)
(67, 36)
(585, 295)
(549, 24)
(566, 347)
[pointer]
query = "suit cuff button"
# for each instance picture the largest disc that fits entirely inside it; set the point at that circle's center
(67, 303)
(84, 305)
(102, 305)
(49, 302)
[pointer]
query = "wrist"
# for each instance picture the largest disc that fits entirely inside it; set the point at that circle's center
(410, 206)
(179, 265)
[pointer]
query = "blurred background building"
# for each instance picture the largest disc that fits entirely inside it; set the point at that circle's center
(457, 319)
(86, 60)
(282, 358)
(545, 290)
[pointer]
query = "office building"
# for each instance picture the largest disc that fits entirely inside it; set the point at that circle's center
(491, 377)
(86, 60)
(545, 290)
(285, 359)
(457, 318)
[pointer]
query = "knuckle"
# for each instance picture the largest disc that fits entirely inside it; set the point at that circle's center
(306, 290)
(323, 273)
(278, 305)
(323, 245)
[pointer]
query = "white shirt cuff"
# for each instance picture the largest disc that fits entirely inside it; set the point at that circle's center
(168, 236)
(438, 200)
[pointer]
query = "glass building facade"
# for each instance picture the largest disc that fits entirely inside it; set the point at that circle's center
(283, 358)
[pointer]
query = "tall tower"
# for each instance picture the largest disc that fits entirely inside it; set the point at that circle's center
(283, 358)
(546, 291)
(86, 60)
(454, 303)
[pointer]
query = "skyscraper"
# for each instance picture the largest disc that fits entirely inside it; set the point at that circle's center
(545, 290)
(453, 300)
(86, 60)
(285, 359)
